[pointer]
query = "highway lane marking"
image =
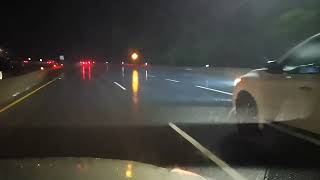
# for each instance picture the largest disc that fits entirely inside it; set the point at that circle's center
(152, 76)
(26, 96)
(295, 134)
(172, 80)
(15, 94)
(215, 90)
(120, 85)
(223, 165)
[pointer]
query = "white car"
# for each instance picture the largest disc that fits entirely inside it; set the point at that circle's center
(286, 91)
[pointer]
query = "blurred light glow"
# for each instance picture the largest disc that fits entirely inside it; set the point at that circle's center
(236, 81)
(83, 72)
(86, 72)
(29, 59)
(129, 173)
(89, 72)
(134, 56)
(42, 68)
(135, 86)
(107, 62)
(207, 65)
(189, 173)
(0, 75)
(40, 60)
(122, 62)
(146, 64)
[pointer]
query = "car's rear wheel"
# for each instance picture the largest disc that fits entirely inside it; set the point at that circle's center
(247, 115)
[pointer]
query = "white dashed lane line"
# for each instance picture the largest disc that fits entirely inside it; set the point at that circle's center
(123, 88)
(215, 90)
(223, 165)
(15, 94)
(172, 80)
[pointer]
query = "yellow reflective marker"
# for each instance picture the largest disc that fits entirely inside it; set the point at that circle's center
(27, 95)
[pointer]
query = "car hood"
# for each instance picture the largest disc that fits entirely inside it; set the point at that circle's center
(88, 168)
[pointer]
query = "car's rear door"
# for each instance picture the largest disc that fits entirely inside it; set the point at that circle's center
(302, 68)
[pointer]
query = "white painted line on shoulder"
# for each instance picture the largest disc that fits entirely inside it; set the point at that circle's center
(15, 94)
(172, 80)
(223, 165)
(152, 76)
(215, 90)
(26, 96)
(295, 134)
(120, 85)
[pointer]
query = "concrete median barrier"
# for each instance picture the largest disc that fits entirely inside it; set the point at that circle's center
(12, 87)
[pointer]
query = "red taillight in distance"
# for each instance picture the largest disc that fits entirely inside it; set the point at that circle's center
(87, 62)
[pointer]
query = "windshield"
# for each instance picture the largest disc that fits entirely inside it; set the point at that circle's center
(176, 84)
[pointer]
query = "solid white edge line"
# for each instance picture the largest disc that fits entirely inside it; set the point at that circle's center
(172, 80)
(215, 90)
(152, 76)
(295, 134)
(223, 165)
(120, 85)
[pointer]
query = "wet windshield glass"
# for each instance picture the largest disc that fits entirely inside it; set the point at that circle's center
(206, 89)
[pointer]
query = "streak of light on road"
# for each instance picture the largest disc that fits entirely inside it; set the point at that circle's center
(172, 80)
(135, 86)
(215, 90)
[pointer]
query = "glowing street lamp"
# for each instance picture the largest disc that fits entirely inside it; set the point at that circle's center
(134, 56)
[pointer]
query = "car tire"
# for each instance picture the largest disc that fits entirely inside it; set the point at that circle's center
(247, 115)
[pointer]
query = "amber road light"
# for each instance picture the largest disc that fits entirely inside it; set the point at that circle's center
(134, 56)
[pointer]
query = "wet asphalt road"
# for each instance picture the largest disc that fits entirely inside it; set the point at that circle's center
(115, 112)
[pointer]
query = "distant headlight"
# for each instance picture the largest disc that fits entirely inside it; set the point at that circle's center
(236, 81)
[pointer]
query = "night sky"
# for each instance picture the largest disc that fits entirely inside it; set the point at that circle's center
(167, 31)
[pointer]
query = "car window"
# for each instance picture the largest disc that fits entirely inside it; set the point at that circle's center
(305, 59)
